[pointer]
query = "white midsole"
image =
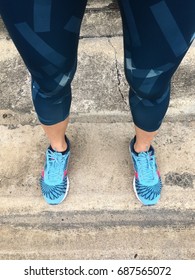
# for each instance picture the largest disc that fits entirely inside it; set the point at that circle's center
(134, 188)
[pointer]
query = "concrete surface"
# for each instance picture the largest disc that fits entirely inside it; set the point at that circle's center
(101, 218)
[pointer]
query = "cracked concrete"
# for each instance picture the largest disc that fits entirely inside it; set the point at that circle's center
(118, 73)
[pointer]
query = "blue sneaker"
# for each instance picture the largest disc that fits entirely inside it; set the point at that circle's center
(54, 180)
(147, 182)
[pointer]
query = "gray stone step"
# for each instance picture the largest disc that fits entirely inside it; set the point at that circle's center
(101, 217)
(104, 235)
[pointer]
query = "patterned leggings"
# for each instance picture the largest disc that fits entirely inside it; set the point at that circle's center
(157, 35)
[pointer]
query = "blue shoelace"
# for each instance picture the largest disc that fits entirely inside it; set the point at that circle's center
(146, 167)
(55, 166)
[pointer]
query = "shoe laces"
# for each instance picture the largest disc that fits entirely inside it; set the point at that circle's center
(55, 165)
(147, 167)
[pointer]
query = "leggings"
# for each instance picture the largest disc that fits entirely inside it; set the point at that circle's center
(157, 35)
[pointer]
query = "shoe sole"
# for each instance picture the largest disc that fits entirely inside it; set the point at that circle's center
(65, 195)
(134, 188)
(135, 191)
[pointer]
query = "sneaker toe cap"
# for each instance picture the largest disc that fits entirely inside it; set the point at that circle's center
(54, 195)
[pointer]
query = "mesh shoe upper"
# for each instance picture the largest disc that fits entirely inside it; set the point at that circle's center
(54, 181)
(147, 181)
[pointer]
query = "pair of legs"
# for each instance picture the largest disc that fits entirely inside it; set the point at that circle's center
(55, 134)
(157, 35)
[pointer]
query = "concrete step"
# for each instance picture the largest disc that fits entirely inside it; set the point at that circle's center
(102, 18)
(101, 218)
(100, 237)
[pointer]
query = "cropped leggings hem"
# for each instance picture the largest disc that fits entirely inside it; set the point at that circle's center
(156, 34)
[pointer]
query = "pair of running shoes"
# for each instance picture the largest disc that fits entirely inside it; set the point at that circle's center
(147, 182)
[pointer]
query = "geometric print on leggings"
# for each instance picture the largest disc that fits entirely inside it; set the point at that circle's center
(169, 28)
(73, 25)
(148, 78)
(55, 60)
(39, 45)
(144, 23)
(135, 99)
(131, 24)
(42, 15)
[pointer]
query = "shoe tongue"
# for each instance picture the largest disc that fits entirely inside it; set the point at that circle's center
(150, 153)
(55, 156)
(146, 152)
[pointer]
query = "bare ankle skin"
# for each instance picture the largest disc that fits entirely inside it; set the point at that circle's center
(56, 135)
(143, 139)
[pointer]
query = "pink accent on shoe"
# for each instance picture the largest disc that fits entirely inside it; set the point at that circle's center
(158, 172)
(136, 175)
(65, 173)
(42, 173)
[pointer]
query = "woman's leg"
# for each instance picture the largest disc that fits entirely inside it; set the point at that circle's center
(157, 35)
(143, 139)
(55, 134)
(46, 34)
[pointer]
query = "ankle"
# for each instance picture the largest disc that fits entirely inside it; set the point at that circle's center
(59, 147)
(139, 148)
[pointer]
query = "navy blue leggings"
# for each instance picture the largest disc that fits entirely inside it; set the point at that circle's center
(157, 35)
